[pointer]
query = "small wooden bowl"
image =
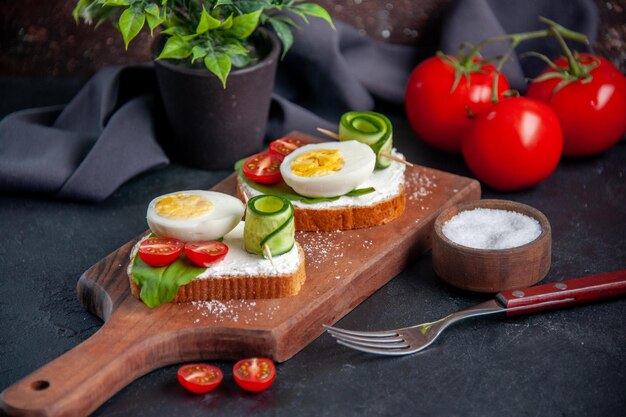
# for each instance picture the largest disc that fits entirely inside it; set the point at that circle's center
(492, 270)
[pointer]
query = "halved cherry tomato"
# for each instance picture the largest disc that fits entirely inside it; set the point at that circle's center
(263, 168)
(199, 378)
(284, 146)
(254, 374)
(205, 252)
(160, 251)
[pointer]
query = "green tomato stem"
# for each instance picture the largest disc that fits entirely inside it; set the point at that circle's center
(554, 29)
(496, 76)
(517, 38)
(575, 68)
(563, 31)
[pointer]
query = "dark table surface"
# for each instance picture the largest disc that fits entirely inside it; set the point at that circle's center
(560, 363)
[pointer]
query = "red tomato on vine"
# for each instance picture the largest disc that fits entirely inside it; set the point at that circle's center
(442, 93)
(590, 103)
(514, 144)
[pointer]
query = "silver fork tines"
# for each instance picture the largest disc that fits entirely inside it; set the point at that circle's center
(392, 342)
(407, 340)
(385, 343)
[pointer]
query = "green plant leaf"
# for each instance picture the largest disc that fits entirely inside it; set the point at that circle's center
(249, 6)
(160, 285)
(187, 38)
(153, 22)
(180, 32)
(172, 30)
(227, 23)
(219, 3)
(233, 49)
(175, 48)
(153, 16)
(105, 15)
(284, 34)
(197, 52)
(131, 21)
(152, 9)
(239, 61)
(245, 24)
(207, 22)
(299, 13)
(116, 3)
(287, 20)
(79, 6)
(315, 10)
(219, 64)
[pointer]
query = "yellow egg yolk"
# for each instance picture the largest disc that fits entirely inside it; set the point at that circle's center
(317, 163)
(183, 206)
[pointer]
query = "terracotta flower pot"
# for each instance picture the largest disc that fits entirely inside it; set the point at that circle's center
(212, 127)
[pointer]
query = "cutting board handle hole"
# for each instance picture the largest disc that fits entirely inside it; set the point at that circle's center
(40, 385)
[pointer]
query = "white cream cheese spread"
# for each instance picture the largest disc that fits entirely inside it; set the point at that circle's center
(240, 263)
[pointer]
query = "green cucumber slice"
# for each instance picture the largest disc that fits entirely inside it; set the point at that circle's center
(282, 239)
(383, 148)
(371, 128)
(269, 221)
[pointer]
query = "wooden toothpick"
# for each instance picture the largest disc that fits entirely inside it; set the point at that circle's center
(328, 133)
(268, 254)
(333, 135)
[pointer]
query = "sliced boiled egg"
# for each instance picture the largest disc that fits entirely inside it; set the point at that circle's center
(194, 215)
(328, 169)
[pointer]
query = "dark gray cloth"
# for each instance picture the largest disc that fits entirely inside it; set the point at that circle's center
(106, 134)
(328, 73)
(87, 149)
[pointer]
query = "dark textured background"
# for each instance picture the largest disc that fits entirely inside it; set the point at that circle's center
(40, 38)
(560, 363)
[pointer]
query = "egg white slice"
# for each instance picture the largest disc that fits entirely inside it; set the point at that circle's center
(224, 214)
(358, 164)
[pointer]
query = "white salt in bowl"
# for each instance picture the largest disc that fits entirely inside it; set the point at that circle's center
(491, 245)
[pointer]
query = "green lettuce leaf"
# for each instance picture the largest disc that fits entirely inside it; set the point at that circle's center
(281, 189)
(160, 285)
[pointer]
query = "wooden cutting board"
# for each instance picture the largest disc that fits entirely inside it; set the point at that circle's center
(343, 269)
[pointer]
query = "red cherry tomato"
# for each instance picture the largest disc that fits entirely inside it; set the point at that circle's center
(284, 146)
(205, 252)
(592, 112)
(160, 251)
(514, 144)
(199, 378)
(438, 114)
(254, 374)
(263, 168)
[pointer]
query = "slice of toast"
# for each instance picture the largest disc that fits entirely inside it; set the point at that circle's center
(313, 218)
(385, 204)
(241, 275)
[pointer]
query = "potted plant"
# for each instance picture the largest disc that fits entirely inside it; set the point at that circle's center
(215, 64)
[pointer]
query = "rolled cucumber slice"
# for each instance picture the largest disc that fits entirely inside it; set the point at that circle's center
(381, 148)
(269, 221)
(371, 128)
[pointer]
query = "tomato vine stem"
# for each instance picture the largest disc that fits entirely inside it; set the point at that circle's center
(554, 30)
